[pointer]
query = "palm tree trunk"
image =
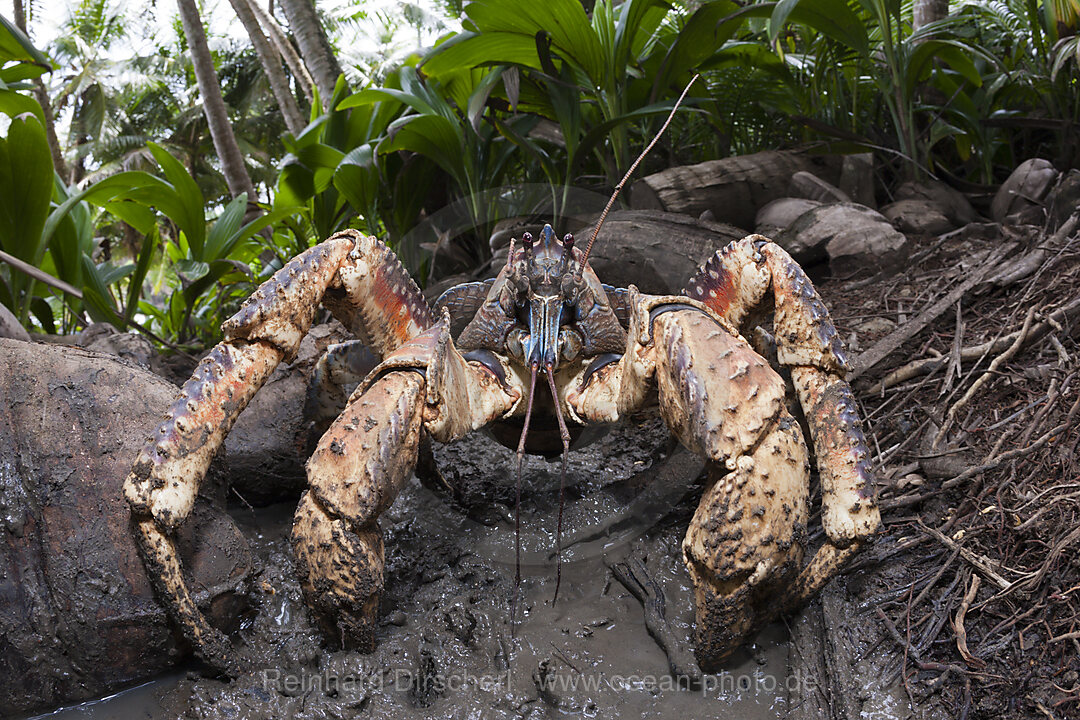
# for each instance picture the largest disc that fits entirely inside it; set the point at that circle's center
(271, 63)
(925, 12)
(314, 47)
(46, 104)
(280, 42)
(217, 116)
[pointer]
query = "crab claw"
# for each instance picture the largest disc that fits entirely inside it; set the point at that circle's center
(747, 538)
(364, 459)
(355, 473)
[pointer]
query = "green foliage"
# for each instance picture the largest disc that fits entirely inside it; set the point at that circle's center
(529, 94)
(19, 59)
(49, 226)
(203, 257)
(60, 242)
(330, 172)
(1030, 89)
(445, 124)
(872, 39)
(26, 185)
(944, 89)
(586, 74)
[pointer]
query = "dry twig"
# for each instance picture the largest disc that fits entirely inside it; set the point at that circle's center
(985, 377)
(961, 631)
(891, 342)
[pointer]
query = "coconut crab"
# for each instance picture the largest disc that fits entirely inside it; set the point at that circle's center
(601, 351)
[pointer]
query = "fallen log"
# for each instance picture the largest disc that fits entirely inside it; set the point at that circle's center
(733, 188)
(657, 251)
(77, 615)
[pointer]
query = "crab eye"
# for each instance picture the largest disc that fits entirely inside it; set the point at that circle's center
(568, 241)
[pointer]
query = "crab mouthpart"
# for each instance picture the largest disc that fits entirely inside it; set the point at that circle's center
(545, 318)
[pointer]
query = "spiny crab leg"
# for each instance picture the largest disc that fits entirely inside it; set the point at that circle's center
(166, 476)
(167, 473)
(356, 471)
(735, 283)
(723, 401)
(364, 459)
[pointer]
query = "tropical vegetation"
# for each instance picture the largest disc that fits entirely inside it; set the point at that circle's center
(153, 192)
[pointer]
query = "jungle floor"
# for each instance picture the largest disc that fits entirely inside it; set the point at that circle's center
(965, 606)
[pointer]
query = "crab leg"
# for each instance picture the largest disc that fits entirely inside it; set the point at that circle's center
(724, 402)
(168, 472)
(735, 283)
(363, 461)
(375, 298)
(165, 479)
(355, 473)
(746, 539)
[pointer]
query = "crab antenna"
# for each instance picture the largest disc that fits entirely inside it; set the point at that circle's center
(619, 187)
(517, 502)
(564, 434)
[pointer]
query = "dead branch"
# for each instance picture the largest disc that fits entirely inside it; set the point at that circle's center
(961, 632)
(990, 463)
(888, 344)
(979, 562)
(1060, 317)
(985, 377)
(636, 578)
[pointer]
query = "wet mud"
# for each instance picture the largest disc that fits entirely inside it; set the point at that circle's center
(446, 646)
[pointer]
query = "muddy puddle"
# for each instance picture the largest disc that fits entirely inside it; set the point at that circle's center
(446, 645)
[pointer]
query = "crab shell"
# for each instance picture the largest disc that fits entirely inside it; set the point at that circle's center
(608, 350)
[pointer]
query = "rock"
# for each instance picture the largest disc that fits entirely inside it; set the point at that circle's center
(10, 326)
(857, 178)
(733, 188)
(506, 229)
(949, 201)
(1064, 199)
(656, 251)
(852, 236)
(810, 186)
(1026, 187)
(1027, 215)
(876, 326)
(77, 616)
(918, 217)
(104, 338)
(779, 214)
(869, 248)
